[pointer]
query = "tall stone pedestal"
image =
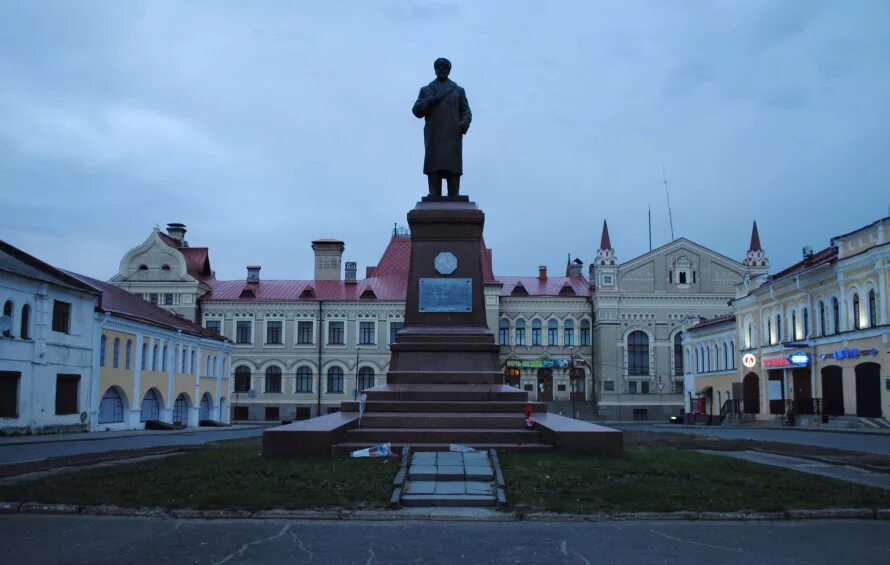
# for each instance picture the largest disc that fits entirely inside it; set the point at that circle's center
(445, 339)
(445, 384)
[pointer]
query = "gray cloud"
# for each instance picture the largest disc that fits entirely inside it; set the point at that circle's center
(264, 127)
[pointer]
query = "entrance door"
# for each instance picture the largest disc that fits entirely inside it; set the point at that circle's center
(545, 384)
(512, 377)
(577, 382)
(776, 392)
(832, 391)
(803, 391)
(751, 394)
(868, 390)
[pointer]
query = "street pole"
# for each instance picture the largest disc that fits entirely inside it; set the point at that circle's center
(355, 390)
(572, 380)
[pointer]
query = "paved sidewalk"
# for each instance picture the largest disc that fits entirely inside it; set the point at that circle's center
(858, 431)
(841, 472)
(95, 436)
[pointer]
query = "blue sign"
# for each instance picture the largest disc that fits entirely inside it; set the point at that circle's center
(851, 353)
(800, 359)
(446, 295)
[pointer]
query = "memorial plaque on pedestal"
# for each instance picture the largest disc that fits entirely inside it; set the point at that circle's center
(446, 295)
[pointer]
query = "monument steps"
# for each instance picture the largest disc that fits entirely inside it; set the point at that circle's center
(446, 392)
(448, 501)
(346, 448)
(424, 406)
(444, 420)
(370, 436)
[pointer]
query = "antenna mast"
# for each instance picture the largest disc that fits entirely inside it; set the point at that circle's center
(650, 227)
(668, 194)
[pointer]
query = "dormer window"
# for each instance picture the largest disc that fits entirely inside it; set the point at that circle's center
(684, 273)
(368, 294)
(165, 268)
(143, 267)
(519, 290)
(308, 292)
(247, 293)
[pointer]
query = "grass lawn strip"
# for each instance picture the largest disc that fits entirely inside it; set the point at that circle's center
(230, 475)
(650, 479)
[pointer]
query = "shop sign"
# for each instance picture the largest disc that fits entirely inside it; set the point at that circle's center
(539, 363)
(578, 363)
(799, 359)
(851, 353)
(749, 360)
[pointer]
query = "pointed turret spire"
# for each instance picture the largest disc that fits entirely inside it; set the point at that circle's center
(755, 239)
(605, 242)
(756, 257)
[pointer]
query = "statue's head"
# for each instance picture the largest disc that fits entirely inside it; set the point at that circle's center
(442, 67)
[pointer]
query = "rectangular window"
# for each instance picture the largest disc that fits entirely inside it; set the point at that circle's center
(273, 332)
(304, 333)
(585, 336)
(504, 336)
(66, 393)
(552, 336)
(644, 387)
(394, 328)
(243, 331)
(271, 412)
(303, 413)
(608, 386)
(153, 297)
(9, 394)
(335, 333)
(61, 316)
(641, 414)
(240, 413)
(168, 299)
(536, 336)
(213, 326)
(304, 381)
(569, 337)
(335, 382)
(366, 333)
(632, 387)
(520, 336)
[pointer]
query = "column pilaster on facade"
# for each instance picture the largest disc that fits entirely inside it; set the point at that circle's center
(883, 315)
(136, 400)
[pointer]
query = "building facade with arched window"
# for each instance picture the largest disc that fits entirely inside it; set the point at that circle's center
(841, 357)
(708, 390)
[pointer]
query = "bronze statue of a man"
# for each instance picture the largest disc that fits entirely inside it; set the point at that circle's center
(444, 106)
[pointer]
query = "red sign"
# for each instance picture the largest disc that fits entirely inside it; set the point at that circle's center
(780, 362)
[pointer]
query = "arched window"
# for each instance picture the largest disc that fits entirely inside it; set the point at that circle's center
(111, 408)
(552, 332)
(116, 353)
(725, 356)
(242, 378)
(637, 353)
(181, 410)
(569, 333)
(273, 379)
(304, 379)
(205, 407)
(25, 332)
(536, 332)
(7, 311)
(103, 342)
(821, 318)
(164, 359)
(872, 311)
(732, 354)
(520, 332)
(793, 325)
(769, 332)
(365, 378)
(207, 367)
(504, 332)
(193, 369)
(585, 333)
(144, 356)
(835, 315)
(778, 328)
(708, 358)
(856, 321)
(749, 335)
(697, 360)
(154, 358)
(151, 406)
(335, 379)
(678, 354)
(184, 360)
(128, 359)
(806, 323)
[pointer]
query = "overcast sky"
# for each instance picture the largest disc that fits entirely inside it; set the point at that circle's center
(264, 125)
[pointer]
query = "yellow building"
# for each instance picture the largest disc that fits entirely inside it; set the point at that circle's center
(152, 365)
(711, 368)
(817, 333)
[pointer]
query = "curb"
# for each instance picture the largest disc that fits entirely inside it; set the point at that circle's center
(435, 515)
(97, 436)
(851, 431)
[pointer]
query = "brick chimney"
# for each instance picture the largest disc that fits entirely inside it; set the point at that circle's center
(349, 275)
(253, 273)
(328, 255)
(542, 273)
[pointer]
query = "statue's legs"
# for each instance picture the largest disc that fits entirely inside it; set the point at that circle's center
(435, 182)
(453, 185)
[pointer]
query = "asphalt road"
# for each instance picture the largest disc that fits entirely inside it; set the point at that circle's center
(866, 443)
(85, 539)
(19, 453)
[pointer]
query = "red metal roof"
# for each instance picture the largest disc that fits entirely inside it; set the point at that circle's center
(827, 255)
(550, 287)
(127, 305)
(713, 321)
(197, 259)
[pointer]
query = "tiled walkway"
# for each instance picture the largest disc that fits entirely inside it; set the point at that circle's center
(448, 478)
